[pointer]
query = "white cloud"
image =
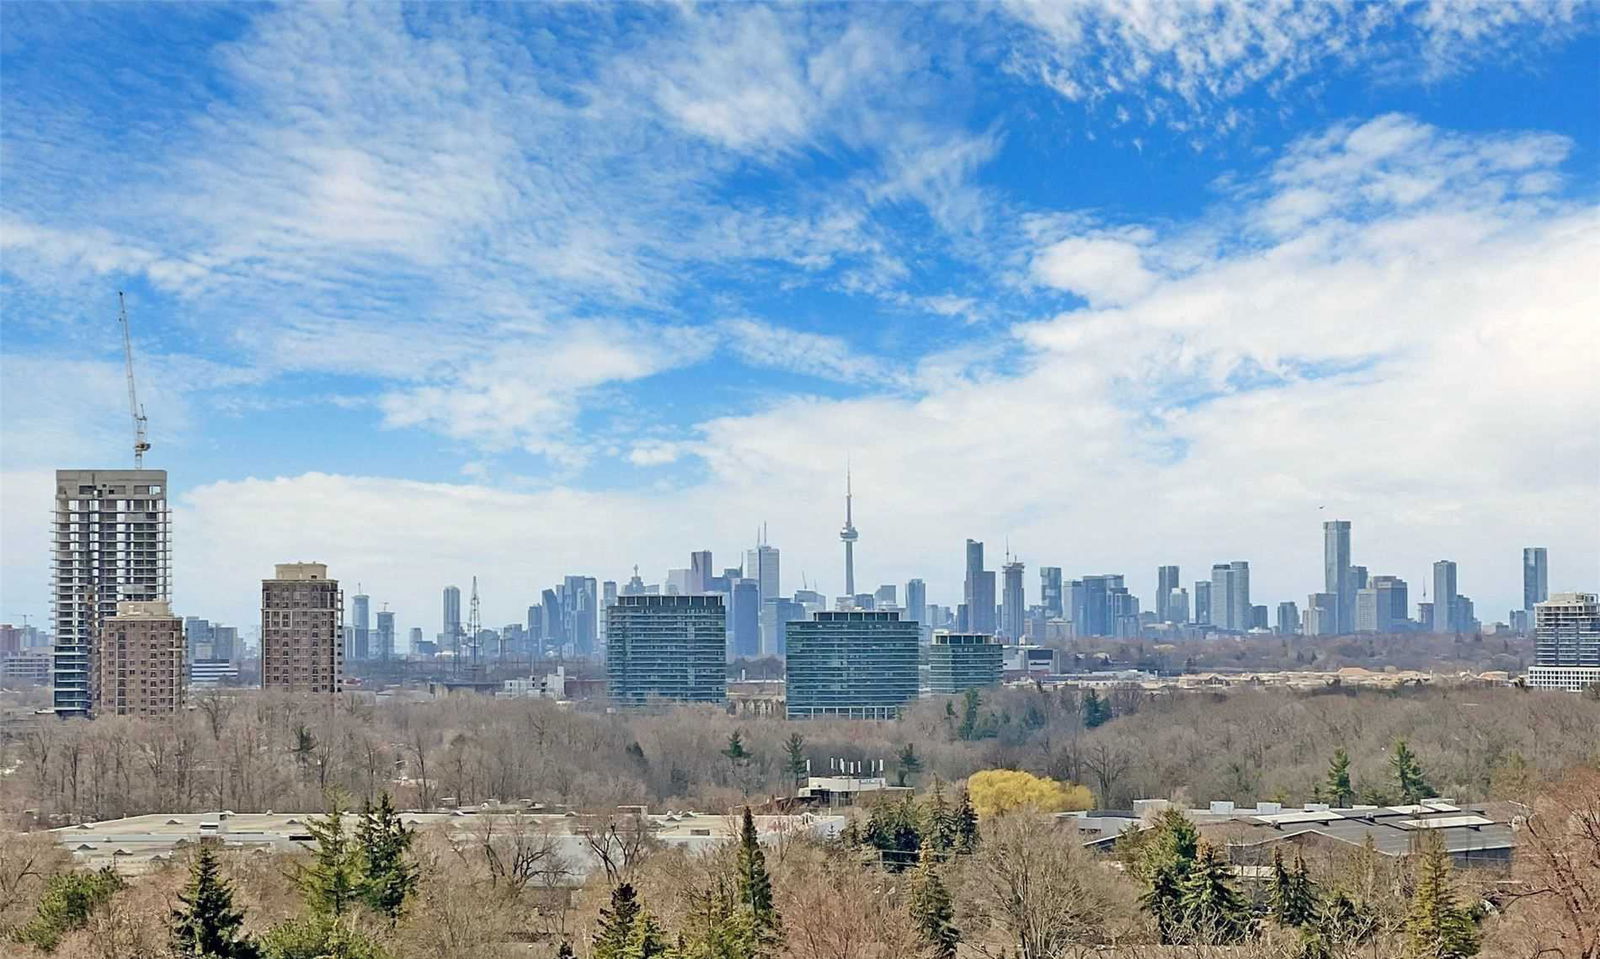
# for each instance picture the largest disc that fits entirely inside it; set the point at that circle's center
(1104, 270)
(814, 354)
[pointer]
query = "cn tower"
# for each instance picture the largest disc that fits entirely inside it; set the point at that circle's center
(848, 537)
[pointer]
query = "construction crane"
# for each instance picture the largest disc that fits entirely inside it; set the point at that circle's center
(140, 442)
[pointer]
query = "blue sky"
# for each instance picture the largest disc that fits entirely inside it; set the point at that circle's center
(520, 290)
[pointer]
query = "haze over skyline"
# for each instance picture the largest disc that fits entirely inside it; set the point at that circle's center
(523, 291)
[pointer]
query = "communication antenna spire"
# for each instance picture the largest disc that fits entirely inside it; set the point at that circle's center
(140, 443)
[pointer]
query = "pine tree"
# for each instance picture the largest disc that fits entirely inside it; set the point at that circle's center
(736, 752)
(932, 910)
(1436, 926)
(1213, 911)
(616, 924)
(753, 885)
(966, 821)
(207, 926)
(388, 874)
(1096, 711)
(69, 899)
(1165, 858)
(1293, 901)
(969, 715)
(1408, 774)
(910, 764)
(1340, 792)
(796, 764)
(332, 883)
(942, 830)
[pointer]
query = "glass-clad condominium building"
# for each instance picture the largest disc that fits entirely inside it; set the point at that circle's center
(1566, 630)
(667, 647)
(958, 662)
(855, 664)
(110, 545)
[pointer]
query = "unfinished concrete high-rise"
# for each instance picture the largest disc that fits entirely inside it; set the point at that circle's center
(139, 662)
(301, 648)
(111, 543)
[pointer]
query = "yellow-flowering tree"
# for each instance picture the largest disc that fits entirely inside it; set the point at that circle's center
(996, 791)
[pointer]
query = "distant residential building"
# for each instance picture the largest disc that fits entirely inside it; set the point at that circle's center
(961, 661)
(1259, 618)
(1322, 615)
(210, 673)
(1166, 582)
(450, 626)
(1178, 606)
(580, 603)
(1337, 580)
(1013, 607)
(300, 636)
(1535, 577)
(361, 628)
(1566, 633)
(668, 648)
(1425, 616)
(886, 595)
(1050, 595)
(1288, 618)
(812, 600)
(853, 664)
(111, 543)
(139, 662)
(1202, 602)
(680, 582)
(416, 639)
(1381, 606)
(1445, 607)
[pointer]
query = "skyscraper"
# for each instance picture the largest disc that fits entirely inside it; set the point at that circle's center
(1336, 574)
(1166, 582)
(667, 647)
(361, 626)
(1013, 604)
(744, 620)
(1230, 595)
(139, 662)
(1288, 618)
(1050, 595)
(581, 611)
(917, 602)
(300, 613)
(1535, 577)
(700, 572)
(1202, 602)
(762, 565)
(1178, 606)
(1566, 642)
(111, 544)
(848, 537)
(1445, 607)
(958, 662)
(776, 615)
(385, 635)
(1321, 616)
(978, 591)
(852, 664)
(450, 630)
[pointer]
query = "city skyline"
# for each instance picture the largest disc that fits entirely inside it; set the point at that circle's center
(583, 306)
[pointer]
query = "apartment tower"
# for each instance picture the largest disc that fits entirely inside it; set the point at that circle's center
(301, 649)
(139, 661)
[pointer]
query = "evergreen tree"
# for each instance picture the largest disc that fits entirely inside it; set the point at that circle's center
(1096, 710)
(319, 936)
(719, 927)
(616, 926)
(332, 883)
(1340, 792)
(206, 926)
(1165, 858)
(753, 885)
(966, 825)
(564, 951)
(646, 941)
(895, 830)
(796, 764)
(910, 764)
(1436, 926)
(1408, 776)
(942, 833)
(68, 901)
(932, 909)
(384, 844)
(736, 752)
(969, 715)
(1213, 911)
(1293, 900)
